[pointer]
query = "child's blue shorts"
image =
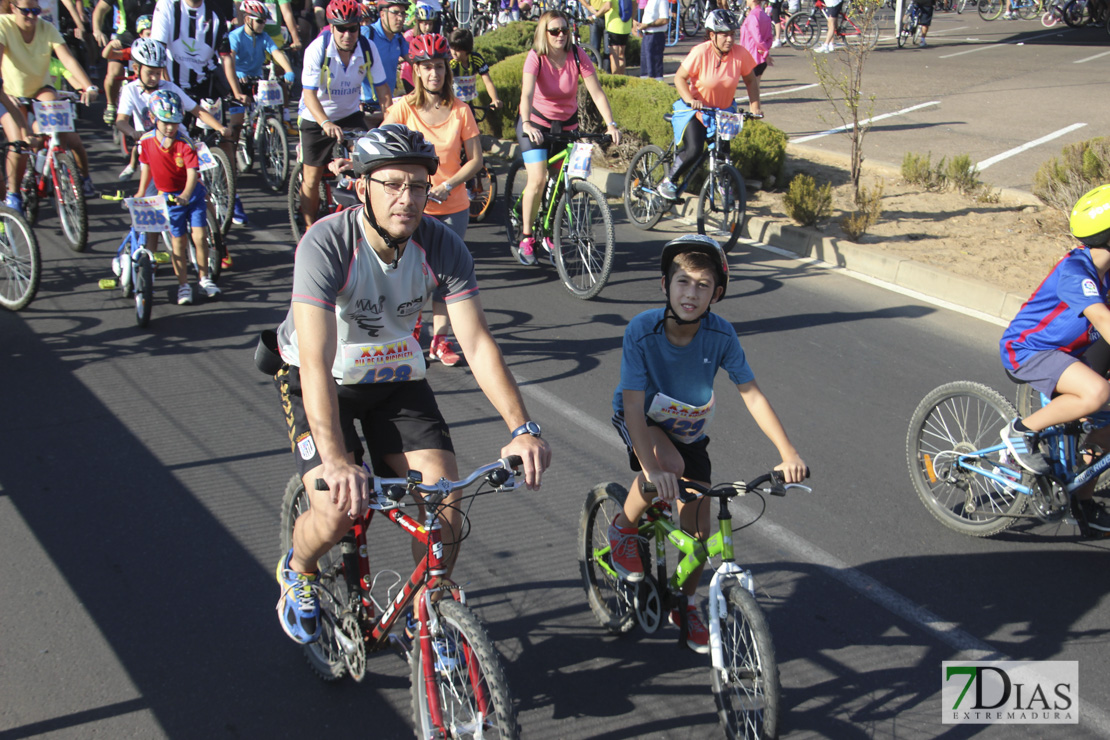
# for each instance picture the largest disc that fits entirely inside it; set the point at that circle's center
(193, 214)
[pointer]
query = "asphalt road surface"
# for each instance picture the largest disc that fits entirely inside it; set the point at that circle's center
(141, 476)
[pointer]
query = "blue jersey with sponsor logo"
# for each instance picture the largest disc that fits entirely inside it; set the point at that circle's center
(1052, 318)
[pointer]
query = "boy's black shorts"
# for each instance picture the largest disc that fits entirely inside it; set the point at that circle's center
(395, 418)
(695, 456)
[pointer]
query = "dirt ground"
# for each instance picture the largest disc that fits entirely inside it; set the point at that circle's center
(1010, 244)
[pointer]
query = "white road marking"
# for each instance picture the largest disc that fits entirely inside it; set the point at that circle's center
(780, 92)
(1037, 142)
(1096, 56)
(1019, 42)
(838, 129)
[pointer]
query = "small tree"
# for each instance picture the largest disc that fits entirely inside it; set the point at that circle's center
(841, 76)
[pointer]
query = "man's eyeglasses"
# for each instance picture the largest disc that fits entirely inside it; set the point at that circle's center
(30, 12)
(398, 13)
(395, 188)
(346, 29)
(558, 31)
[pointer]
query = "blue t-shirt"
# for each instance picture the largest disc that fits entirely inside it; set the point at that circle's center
(650, 363)
(250, 51)
(1052, 318)
(391, 53)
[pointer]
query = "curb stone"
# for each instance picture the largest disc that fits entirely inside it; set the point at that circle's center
(809, 243)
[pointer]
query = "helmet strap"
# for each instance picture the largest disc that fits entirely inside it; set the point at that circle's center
(668, 312)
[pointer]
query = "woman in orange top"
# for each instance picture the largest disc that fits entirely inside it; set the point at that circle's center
(448, 123)
(708, 78)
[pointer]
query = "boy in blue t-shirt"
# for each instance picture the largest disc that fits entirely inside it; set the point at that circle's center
(1046, 342)
(664, 403)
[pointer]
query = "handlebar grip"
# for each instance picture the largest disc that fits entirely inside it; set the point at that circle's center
(322, 485)
(648, 487)
(686, 496)
(515, 461)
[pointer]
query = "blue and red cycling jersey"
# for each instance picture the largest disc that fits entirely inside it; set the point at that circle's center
(1052, 318)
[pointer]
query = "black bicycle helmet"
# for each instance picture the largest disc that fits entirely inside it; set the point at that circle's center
(393, 144)
(1090, 218)
(695, 243)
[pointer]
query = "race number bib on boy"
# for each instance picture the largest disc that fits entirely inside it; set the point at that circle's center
(391, 362)
(215, 107)
(54, 116)
(268, 93)
(205, 160)
(682, 422)
(149, 214)
(465, 87)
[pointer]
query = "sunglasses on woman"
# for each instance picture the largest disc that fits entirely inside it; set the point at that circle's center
(558, 31)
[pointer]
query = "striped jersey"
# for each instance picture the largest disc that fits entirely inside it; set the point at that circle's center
(193, 37)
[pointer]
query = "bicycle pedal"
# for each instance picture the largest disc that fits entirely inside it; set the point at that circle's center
(108, 283)
(162, 258)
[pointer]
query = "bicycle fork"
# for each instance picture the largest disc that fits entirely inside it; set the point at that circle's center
(718, 608)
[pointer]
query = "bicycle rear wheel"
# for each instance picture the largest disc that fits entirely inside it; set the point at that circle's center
(1077, 13)
(642, 202)
(721, 206)
(989, 10)
(909, 28)
(746, 688)
(20, 261)
(960, 5)
(293, 202)
(271, 149)
(961, 418)
(325, 655)
(802, 30)
(144, 289)
(70, 199)
(855, 35)
(611, 599)
(482, 189)
(470, 685)
(1029, 11)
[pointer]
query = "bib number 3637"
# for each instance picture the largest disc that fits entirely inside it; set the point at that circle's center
(149, 214)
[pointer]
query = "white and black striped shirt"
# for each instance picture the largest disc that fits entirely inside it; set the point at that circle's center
(193, 37)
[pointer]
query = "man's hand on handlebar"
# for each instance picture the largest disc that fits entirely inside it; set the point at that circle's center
(88, 95)
(349, 486)
(534, 453)
(339, 166)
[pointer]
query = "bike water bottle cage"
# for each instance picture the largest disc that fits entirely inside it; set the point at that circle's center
(1090, 218)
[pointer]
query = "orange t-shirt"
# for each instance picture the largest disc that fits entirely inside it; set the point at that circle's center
(713, 80)
(447, 138)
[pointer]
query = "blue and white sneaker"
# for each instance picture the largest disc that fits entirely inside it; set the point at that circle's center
(1023, 446)
(666, 189)
(298, 607)
(15, 202)
(238, 213)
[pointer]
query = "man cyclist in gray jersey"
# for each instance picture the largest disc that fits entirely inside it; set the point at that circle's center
(360, 280)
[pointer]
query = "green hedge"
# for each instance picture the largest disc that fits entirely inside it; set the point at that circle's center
(504, 42)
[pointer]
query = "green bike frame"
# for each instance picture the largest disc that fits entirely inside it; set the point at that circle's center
(555, 186)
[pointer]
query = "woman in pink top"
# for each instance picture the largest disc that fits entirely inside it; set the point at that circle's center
(549, 94)
(756, 35)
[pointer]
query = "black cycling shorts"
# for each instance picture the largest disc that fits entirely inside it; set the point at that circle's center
(395, 418)
(695, 456)
(316, 148)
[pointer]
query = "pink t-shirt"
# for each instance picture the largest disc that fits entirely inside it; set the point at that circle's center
(406, 66)
(757, 34)
(556, 93)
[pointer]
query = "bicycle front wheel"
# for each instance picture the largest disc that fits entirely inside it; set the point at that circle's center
(220, 184)
(865, 36)
(271, 149)
(144, 289)
(908, 29)
(293, 202)
(514, 186)
(960, 5)
(20, 261)
(989, 10)
(70, 199)
(326, 654)
(583, 239)
(721, 206)
(642, 201)
(482, 190)
(746, 686)
(1077, 13)
(802, 30)
(470, 685)
(958, 419)
(611, 599)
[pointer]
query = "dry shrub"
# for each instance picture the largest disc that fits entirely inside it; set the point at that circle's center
(870, 207)
(807, 203)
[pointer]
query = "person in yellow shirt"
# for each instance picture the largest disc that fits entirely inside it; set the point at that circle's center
(26, 44)
(619, 31)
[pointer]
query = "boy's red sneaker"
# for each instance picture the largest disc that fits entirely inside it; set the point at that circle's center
(624, 552)
(697, 636)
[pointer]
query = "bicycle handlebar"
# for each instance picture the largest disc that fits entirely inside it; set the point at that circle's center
(498, 474)
(567, 137)
(778, 487)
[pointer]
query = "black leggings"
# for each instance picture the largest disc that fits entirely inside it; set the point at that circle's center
(693, 141)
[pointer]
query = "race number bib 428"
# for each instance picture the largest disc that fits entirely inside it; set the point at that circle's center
(681, 421)
(398, 361)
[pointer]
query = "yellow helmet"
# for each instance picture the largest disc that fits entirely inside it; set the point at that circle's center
(1090, 218)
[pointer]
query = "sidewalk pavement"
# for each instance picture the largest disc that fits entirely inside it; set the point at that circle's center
(808, 243)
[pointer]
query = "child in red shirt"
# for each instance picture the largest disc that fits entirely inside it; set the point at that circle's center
(168, 157)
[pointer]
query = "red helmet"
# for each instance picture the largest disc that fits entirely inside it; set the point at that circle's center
(343, 12)
(253, 9)
(429, 46)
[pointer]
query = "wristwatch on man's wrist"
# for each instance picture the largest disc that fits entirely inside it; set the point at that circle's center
(528, 427)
